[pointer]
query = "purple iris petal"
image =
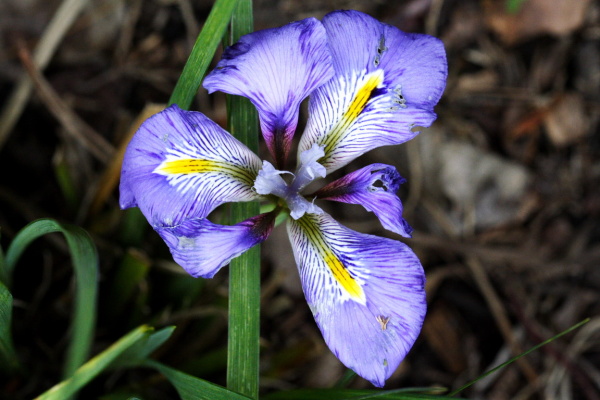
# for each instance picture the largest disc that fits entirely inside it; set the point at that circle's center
(276, 69)
(203, 248)
(374, 187)
(415, 61)
(366, 293)
(401, 76)
(181, 165)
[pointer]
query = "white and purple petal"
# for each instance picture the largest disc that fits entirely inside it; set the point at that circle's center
(181, 165)
(374, 187)
(202, 248)
(386, 84)
(276, 69)
(366, 293)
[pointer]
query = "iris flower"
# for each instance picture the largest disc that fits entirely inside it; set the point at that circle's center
(369, 85)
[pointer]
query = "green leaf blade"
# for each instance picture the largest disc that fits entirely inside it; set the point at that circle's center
(192, 388)
(202, 53)
(244, 271)
(85, 263)
(84, 374)
(8, 357)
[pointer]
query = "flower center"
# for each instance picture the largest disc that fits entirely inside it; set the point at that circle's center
(269, 181)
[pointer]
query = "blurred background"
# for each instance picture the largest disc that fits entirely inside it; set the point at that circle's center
(503, 193)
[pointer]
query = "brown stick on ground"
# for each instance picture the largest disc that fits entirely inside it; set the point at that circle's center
(75, 126)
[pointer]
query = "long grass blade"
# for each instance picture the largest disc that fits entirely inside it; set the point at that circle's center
(95, 366)
(192, 388)
(534, 348)
(244, 286)
(8, 357)
(85, 262)
(357, 394)
(202, 53)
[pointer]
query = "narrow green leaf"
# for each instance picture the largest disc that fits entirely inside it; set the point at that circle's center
(202, 53)
(95, 366)
(192, 388)
(534, 348)
(8, 357)
(244, 272)
(85, 262)
(137, 354)
(353, 394)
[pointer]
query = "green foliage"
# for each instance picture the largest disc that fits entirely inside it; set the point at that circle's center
(349, 394)
(85, 263)
(244, 272)
(8, 356)
(202, 53)
(192, 388)
(98, 364)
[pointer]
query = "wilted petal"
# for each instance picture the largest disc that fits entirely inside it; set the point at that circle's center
(386, 84)
(181, 165)
(374, 187)
(203, 248)
(276, 69)
(366, 293)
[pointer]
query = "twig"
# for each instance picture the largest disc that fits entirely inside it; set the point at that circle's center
(53, 35)
(74, 125)
(499, 314)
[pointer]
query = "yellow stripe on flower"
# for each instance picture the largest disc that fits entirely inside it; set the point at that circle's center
(336, 267)
(189, 166)
(341, 274)
(358, 104)
(199, 166)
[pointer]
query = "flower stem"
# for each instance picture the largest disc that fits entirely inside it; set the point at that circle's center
(244, 271)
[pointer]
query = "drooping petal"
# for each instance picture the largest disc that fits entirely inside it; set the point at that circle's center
(374, 187)
(181, 165)
(386, 84)
(276, 69)
(203, 248)
(366, 293)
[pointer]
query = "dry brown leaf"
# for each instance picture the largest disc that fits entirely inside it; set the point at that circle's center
(567, 121)
(555, 17)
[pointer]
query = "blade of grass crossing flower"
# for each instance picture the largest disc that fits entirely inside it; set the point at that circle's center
(95, 366)
(85, 262)
(192, 388)
(534, 348)
(8, 356)
(202, 53)
(244, 289)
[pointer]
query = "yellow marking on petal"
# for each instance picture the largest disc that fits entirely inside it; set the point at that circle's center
(358, 104)
(189, 166)
(199, 166)
(337, 268)
(341, 274)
